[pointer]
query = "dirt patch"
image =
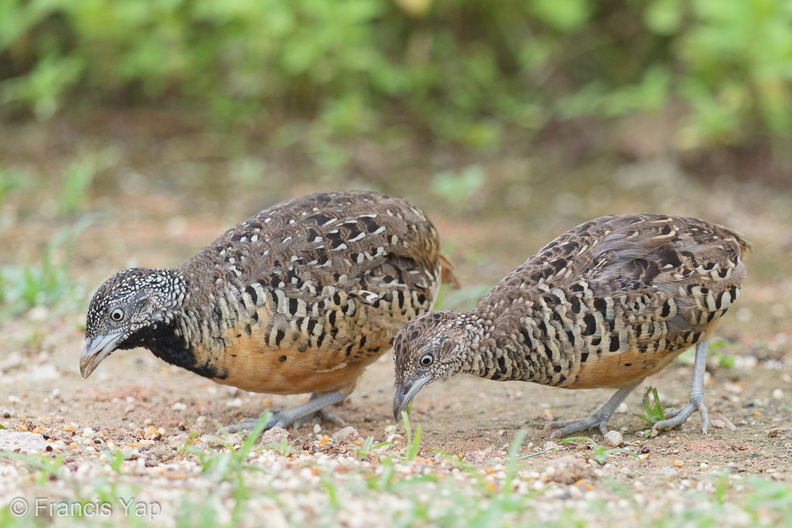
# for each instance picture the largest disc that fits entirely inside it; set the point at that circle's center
(136, 403)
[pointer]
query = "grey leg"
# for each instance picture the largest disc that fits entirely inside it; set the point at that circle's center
(287, 417)
(599, 418)
(696, 401)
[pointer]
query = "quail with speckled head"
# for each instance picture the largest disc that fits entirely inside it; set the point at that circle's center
(300, 298)
(606, 304)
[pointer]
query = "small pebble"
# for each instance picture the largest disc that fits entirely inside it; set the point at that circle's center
(614, 438)
(88, 433)
(274, 436)
(152, 433)
(778, 394)
(177, 441)
(347, 434)
(550, 445)
(317, 428)
(179, 406)
(567, 470)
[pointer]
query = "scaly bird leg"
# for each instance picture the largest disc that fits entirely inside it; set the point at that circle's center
(315, 405)
(696, 396)
(600, 416)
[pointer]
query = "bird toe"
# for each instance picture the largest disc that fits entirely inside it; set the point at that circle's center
(676, 418)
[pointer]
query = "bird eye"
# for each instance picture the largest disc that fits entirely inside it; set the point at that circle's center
(426, 360)
(117, 314)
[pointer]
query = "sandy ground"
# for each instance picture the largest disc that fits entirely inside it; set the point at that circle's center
(133, 396)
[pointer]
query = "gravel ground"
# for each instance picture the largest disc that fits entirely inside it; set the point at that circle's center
(139, 442)
(150, 433)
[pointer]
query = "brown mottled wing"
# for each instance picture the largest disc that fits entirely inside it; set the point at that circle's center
(617, 298)
(674, 264)
(664, 282)
(315, 285)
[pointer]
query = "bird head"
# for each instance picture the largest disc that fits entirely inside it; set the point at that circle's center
(426, 349)
(127, 307)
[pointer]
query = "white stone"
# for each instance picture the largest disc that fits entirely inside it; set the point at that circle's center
(614, 438)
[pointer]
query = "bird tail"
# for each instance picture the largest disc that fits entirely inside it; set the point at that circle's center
(448, 276)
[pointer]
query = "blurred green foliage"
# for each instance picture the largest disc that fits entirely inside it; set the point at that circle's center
(46, 283)
(458, 188)
(457, 69)
(78, 173)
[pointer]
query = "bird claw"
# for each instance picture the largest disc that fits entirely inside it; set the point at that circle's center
(296, 416)
(677, 417)
(567, 427)
(599, 418)
(285, 420)
(250, 423)
(322, 414)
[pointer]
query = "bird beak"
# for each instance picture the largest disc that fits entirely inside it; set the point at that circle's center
(403, 398)
(96, 350)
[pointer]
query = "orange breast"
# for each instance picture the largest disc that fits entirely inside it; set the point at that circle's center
(619, 370)
(252, 367)
(292, 362)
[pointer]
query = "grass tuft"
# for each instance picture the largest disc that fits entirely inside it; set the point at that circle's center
(413, 438)
(653, 407)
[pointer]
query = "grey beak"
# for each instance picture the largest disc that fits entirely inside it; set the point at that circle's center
(405, 394)
(96, 350)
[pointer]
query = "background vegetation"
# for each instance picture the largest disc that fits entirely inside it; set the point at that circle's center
(717, 72)
(135, 131)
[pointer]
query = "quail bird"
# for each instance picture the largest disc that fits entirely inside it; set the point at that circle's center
(605, 304)
(297, 299)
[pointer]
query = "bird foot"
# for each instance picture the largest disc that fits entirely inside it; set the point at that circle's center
(676, 417)
(296, 416)
(322, 414)
(281, 420)
(599, 418)
(250, 423)
(567, 427)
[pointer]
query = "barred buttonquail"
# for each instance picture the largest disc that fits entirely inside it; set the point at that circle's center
(606, 304)
(299, 298)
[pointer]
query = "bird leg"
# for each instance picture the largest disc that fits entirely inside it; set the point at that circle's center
(600, 417)
(296, 415)
(696, 401)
